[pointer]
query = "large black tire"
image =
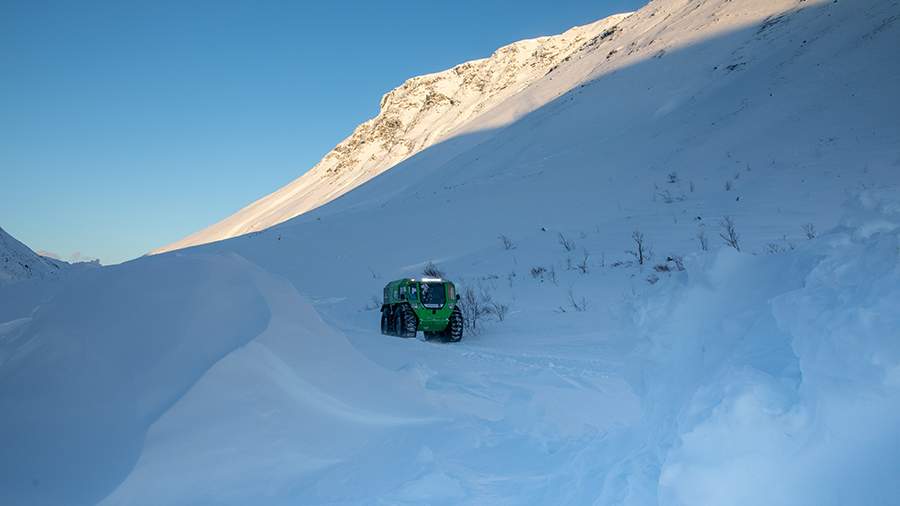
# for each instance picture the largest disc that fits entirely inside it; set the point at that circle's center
(408, 322)
(455, 326)
(398, 322)
(385, 322)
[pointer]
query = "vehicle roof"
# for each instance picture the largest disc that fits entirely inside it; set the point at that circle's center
(420, 280)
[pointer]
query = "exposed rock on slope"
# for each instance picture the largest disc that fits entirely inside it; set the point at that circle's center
(18, 261)
(420, 113)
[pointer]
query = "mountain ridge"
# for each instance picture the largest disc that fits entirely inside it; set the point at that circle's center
(19, 262)
(419, 113)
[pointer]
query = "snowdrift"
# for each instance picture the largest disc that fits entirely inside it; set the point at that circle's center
(793, 382)
(84, 376)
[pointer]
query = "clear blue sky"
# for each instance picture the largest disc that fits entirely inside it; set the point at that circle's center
(127, 125)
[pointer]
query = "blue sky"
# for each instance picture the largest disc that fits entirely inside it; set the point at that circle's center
(127, 125)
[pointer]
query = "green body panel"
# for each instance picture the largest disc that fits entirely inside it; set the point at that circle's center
(407, 291)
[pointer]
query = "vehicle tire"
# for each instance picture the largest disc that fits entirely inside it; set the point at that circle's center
(385, 322)
(455, 326)
(398, 323)
(409, 324)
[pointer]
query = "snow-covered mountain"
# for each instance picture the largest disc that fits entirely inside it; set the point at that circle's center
(420, 113)
(764, 371)
(18, 261)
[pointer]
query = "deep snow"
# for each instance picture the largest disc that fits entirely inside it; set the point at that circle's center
(252, 370)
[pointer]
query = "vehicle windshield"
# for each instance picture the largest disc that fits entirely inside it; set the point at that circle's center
(432, 294)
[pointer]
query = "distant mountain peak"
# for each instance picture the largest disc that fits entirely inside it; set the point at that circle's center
(18, 261)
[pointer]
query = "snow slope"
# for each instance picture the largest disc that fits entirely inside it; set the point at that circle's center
(252, 371)
(18, 262)
(420, 113)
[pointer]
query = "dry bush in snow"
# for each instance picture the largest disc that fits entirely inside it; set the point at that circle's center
(568, 244)
(729, 233)
(703, 240)
(810, 230)
(476, 305)
(432, 271)
(641, 251)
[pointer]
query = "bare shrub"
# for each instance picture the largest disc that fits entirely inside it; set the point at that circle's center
(476, 305)
(552, 275)
(641, 251)
(729, 185)
(507, 242)
(782, 247)
(703, 240)
(774, 248)
(810, 230)
(579, 304)
(538, 272)
(432, 271)
(670, 198)
(673, 263)
(729, 233)
(568, 244)
(497, 309)
(673, 177)
(583, 265)
(473, 308)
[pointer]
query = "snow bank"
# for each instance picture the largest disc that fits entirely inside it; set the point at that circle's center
(294, 401)
(83, 377)
(778, 376)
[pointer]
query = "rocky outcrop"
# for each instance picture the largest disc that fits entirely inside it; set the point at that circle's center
(18, 261)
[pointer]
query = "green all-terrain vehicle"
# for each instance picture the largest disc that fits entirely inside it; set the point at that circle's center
(427, 304)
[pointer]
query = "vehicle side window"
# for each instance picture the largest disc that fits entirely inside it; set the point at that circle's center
(412, 292)
(451, 292)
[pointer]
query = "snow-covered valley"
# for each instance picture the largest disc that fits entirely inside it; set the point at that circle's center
(252, 370)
